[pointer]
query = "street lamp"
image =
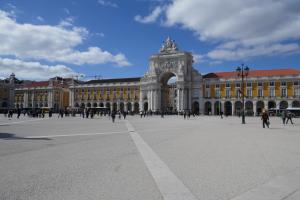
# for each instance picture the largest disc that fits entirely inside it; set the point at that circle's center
(242, 71)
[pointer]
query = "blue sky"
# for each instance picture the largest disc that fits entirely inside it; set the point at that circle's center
(115, 38)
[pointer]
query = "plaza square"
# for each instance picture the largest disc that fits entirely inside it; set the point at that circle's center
(198, 158)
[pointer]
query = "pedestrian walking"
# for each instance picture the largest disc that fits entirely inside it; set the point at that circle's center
(124, 115)
(289, 117)
(221, 114)
(113, 116)
(283, 116)
(265, 119)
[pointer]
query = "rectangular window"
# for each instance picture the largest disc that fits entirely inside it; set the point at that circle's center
(237, 93)
(271, 83)
(296, 91)
(228, 85)
(249, 84)
(227, 93)
(207, 93)
(249, 92)
(259, 84)
(283, 83)
(272, 92)
(206, 86)
(237, 85)
(296, 83)
(260, 92)
(217, 85)
(283, 92)
(217, 93)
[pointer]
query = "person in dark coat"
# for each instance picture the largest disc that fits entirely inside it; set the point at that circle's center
(289, 117)
(265, 119)
(113, 116)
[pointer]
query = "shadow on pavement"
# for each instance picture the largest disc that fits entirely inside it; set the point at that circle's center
(10, 136)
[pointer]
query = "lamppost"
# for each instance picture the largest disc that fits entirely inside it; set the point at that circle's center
(242, 71)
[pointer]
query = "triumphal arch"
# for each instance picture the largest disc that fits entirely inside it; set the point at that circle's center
(170, 62)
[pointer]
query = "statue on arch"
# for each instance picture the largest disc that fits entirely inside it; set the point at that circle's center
(168, 46)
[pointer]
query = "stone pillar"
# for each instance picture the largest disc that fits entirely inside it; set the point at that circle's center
(190, 101)
(32, 99)
(254, 107)
(71, 97)
(125, 106)
(50, 98)
(212, 107)
(141, 106)
(111, 105)
(25, 99)
(118, 105)
(233, 107)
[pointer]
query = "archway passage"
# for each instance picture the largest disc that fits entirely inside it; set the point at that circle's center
(129, 107)
(195, 108)
(217, 107)
(296, 104)
(168, 92)
(146, 106)
(238, 107)
(283, 105)
(136, 107)
(249, 108)
(271, 104)
(207, 108)
(228, 108)
(260, 105)
(122, 107)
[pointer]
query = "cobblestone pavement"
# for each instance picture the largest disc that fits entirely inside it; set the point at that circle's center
(150, 158)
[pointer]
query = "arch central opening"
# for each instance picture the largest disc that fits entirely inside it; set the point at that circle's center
(169, 92)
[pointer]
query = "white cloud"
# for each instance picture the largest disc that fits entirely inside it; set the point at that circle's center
(33, 70)
(246, 53)
(51, 43)
(240, 27)
(107, 3)
(41, 19)
(150, 18)
(198, 58)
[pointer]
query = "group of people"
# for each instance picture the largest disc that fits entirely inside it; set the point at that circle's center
(286, 116)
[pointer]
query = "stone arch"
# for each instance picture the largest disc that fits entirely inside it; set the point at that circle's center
(95, 105)
(82, 105)
(296, 104)
(283, 105)
(136, 107)
(271, 104)
(101, 105)
(129, 106)
(228, 108)
(195, 107)
(249, 108)
(107, 105)
(115, 106)
(88, 105)
(168, 89)
(122, 106)
(238, 107)
(146, 106)
(217, 107)
(207, 108)
(260, 105)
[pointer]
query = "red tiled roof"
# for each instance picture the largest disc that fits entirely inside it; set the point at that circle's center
(256, 73)
(40, 84)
